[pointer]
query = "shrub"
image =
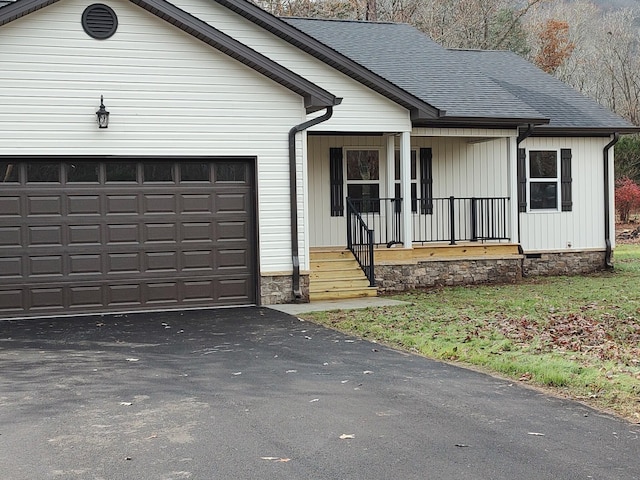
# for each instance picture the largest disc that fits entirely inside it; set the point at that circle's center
(627, 198)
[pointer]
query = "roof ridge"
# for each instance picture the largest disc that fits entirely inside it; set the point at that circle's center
(340, 20)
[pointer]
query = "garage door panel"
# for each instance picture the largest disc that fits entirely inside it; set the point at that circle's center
(49, 235)
(12, 301)
(10, 237)
(46, 266)
(198, 291)
(231, 203)
(126, 233)
(197, 231)
(50, 206)
(9, 207)
(123, 263)
(10, 268)
(154, 204)
(84, 235)
(232, 231)
(196, 203)
(126, 295)
(162, 293)
(197, 260)
(231, 259)
(161, 262)
(230, 290)
(84, 297)
(85, 205)
(160, 233)
(127, 243)
(50, 299)
(85, 264)
(121, 205)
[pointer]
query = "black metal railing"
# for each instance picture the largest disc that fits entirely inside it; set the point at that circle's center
(436, 219)
(462, 219)
(383, 216)
(360, 240)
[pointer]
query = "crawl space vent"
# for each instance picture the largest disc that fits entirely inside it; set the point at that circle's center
(99, 21)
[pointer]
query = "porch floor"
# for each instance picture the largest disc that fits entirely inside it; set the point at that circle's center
(435, 251)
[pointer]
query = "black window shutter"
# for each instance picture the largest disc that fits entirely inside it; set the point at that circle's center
(337, 182)
(522, 180)
(426, 181)
(565, 179)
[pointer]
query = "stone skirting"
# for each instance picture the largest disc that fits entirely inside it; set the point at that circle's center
(276, 289)
(397, 278)
(563, 263)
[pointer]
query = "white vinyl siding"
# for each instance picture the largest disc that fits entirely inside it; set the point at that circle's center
(583, 227)
(168, 93)
(362, 109)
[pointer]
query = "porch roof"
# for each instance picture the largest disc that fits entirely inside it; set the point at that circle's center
(472, 86)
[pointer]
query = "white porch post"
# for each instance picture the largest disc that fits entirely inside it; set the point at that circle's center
(390, 183)
(512, 146)
(405, 181)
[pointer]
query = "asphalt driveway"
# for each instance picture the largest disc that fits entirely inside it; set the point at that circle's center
(252, 393)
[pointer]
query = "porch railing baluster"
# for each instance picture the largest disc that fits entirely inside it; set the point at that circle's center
(360, 238)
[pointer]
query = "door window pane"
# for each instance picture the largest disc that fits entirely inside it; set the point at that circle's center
(363, 165)
(194, 172)
(230, 172)
(121, 172)
(82, 172)
(43, 172)
(9, 173)
(365, 196)
(158, 172)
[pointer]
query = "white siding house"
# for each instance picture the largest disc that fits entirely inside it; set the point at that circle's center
(243, 149)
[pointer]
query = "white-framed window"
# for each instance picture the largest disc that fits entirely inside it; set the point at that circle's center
(543, 180)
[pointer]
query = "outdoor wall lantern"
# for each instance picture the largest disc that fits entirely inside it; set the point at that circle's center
(102, 114)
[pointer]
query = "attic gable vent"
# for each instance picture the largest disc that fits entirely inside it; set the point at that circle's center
(99, 21)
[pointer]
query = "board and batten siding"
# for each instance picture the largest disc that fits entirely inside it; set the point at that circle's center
(461, 167)
(168, 93)
(362, 109)
(583, 227)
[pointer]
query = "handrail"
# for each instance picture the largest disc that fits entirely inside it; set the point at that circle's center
(360, 242)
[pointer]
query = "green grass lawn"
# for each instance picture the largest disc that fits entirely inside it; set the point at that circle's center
(577, 336)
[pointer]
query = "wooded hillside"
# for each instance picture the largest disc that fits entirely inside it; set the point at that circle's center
(593, 46)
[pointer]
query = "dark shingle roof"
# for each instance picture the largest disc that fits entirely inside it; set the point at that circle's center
(566, 107)
(468, 84)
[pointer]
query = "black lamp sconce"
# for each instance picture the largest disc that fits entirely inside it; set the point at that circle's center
(102, 114)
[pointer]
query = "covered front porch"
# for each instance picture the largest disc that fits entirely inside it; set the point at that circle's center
(430, 195)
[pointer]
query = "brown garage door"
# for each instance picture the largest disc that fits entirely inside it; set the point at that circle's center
(83, 236)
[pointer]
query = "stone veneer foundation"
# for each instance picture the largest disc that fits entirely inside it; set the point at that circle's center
(276, 289)
(397, 278)
(562, 263)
